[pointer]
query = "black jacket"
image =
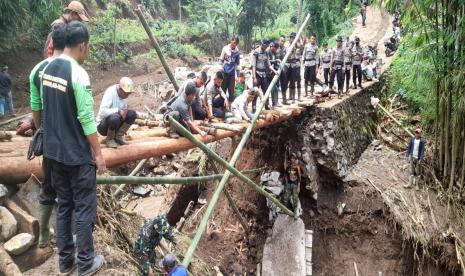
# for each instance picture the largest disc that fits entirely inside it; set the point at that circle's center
(5, 84)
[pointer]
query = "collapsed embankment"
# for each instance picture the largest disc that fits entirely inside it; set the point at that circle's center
(352, 224)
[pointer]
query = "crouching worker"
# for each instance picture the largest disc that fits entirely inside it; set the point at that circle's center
(114, 118)
(181, 111)
(215, 98)
(148, 238)
(240, 105)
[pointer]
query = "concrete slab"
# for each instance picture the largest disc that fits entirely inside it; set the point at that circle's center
(284, 251)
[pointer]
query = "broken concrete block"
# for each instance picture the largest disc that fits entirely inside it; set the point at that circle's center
(288, 239)
(28, 199)
(9, 225)
(26, 222)
(3, 194)
(19, 244)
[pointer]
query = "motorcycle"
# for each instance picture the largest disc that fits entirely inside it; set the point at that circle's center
(390, 47)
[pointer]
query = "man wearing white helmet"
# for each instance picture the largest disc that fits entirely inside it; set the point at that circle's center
(114, 118)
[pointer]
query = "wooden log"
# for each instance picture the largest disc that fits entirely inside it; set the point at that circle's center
(16, 169)
(145, 122)
(7, 265)
(26, 222)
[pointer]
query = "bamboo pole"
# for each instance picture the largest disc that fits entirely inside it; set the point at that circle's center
(395, 120)
(231, 202)
(139, 166)
(157, 47)
(230, 166)
(139, 180)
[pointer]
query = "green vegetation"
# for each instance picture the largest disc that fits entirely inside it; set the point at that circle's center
(431, 72)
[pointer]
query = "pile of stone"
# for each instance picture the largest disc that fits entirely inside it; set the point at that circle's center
(19, 227)
(272, 183)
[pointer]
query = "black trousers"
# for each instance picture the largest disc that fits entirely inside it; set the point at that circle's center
(262, 82)
(339, 74)
(274, 92)
(219, 110)
(283, 82)
(347, 77)
(177, 116)
(310, 74)
(76, 191)
(114, 122)
(228, 85)
(198, 111)
(293, 76)
(357, 74)
(326, 75)
(47, 192)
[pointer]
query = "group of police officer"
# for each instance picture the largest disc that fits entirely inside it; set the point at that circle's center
(335, 64)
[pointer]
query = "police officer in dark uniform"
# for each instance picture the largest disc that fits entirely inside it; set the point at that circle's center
(260, 66)
(325, 60)
(311, 54)
(337, 64)
(347, 64)
(272, 51)
(293, 71)
(280, 53)
(357, 53)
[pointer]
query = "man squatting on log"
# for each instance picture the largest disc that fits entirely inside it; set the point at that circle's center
(114, 118)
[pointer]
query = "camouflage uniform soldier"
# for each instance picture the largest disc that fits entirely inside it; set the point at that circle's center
(148, 238)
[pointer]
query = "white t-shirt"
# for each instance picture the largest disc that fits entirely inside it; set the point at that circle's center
(111, 103)
(416, 148)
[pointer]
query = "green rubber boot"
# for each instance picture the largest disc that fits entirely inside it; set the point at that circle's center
(119, 137)
(44, 229)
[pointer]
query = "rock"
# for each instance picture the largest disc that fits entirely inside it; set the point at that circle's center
(236, 269)
(33, 257)
(3, 194)
(7, 265)
(28, 198)
(340, 209)
(375, 142)
(275, 176)
(26, 222)
(8, 223)
(19, 244)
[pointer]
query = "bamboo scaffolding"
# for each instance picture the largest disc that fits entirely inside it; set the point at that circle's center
(190, 252)
(231, 201)
(139, 180)
(157, 47)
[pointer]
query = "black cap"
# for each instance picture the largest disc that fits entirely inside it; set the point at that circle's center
(338, 38)
(265, 41)
(274, 44)
(325, 43)
(293, 34)
(357, 39)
